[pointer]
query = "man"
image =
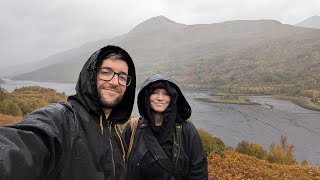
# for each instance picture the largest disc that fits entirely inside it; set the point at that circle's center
(78, 139)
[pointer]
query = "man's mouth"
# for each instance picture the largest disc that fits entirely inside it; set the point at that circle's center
(110, 89)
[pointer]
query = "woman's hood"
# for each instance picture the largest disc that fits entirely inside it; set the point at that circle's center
(86, 88)
(183, 107)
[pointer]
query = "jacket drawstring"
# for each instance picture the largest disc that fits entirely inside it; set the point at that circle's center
(101, 125)
(122, 146)
(123, 151)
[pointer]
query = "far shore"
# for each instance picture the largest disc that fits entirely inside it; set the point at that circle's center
(303, 102)
(238, 101)
(300, 101)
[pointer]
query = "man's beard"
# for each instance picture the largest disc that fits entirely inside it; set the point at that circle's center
(110, 104)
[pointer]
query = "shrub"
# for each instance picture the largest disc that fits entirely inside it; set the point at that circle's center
(211, 143)
(2, 94)
(304, 163)
(252, 149)
(281, 153)
(8, 106)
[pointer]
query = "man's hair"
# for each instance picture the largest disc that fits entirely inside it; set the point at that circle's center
(113, 56)
(110, 56)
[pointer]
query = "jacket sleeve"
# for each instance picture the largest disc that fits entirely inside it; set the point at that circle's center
(198, 164)
(32, 148)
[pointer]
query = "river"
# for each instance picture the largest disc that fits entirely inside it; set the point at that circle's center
(233, 123)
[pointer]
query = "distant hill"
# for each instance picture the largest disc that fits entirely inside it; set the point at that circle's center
(312, 22)
(265, 54)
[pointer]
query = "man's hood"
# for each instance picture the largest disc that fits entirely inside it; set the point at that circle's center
(183, 107)
(86, 88)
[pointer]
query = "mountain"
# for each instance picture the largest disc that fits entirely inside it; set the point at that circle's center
(67, 63)
(312, 22)
(266, 54)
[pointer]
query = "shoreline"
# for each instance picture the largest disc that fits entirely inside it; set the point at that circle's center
(299, 101)
(227, 101)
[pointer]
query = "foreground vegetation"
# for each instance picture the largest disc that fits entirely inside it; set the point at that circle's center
(251, 161)
(235, 165)
(26, 99)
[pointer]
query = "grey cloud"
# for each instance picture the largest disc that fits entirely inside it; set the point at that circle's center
(39, 28)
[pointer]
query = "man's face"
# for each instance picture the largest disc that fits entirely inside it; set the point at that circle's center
(111, 92)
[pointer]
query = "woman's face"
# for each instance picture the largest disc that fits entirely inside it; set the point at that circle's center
(159, 100)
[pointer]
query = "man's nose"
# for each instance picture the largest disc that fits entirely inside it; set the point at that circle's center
(114, 80)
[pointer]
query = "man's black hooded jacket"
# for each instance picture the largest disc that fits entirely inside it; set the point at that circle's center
(67, 140)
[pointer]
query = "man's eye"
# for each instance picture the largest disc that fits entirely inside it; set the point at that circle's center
(105, 71)
(123, 77)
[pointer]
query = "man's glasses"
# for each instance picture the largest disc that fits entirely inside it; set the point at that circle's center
(107, 74)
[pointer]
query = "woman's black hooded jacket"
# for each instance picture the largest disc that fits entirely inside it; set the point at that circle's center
(67, 140)
(151, 156)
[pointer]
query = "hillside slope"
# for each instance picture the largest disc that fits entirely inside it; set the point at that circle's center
(245, 53)
(312, 22)
(239, 166)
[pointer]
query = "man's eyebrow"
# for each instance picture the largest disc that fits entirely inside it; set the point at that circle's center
(120, 72)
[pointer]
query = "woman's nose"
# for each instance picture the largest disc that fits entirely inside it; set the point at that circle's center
(160, 96)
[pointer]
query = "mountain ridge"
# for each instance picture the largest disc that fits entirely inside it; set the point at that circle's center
(312, 22)
(242, 52)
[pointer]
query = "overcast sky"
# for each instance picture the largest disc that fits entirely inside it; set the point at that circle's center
(34, 29)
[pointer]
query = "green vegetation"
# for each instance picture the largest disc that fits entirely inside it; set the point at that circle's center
(3, 93)
(281, 153)
(27, 99)
(229, 99)
(211, 143)
(252, 149)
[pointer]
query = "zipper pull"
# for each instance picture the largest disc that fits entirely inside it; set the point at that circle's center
(101, 125)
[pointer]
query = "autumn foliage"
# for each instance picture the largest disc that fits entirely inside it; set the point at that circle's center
(7, 119)
(27, 99)
(281, 153)
(240, 166)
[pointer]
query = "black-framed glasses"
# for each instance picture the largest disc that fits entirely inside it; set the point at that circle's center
(107, 74)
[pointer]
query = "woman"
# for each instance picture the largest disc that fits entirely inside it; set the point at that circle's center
(166, 145)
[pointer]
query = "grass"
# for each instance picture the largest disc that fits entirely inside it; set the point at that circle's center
(226, 100)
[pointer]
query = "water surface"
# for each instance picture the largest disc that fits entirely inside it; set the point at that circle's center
(262, 124)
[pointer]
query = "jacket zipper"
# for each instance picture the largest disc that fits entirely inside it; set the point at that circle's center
(113, 166)
(179, 149)
(178, 155)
